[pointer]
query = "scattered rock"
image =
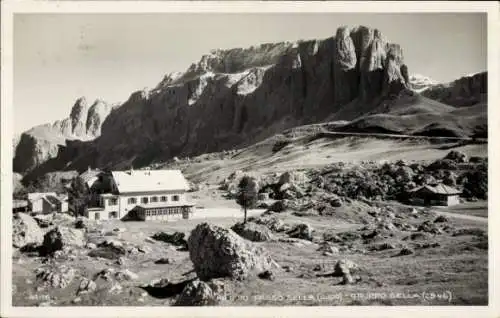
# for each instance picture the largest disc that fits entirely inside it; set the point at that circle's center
(219, 252)
(196, 293)
(61, 237)
(25, 230)
(336, 202)
(427, 245)
(120, 261)
(176, 239)
(43, 221)
(253, 232)
(328, 249)
(429, 227)
(382, 246)
(345, 269)
(163, 260)
(274, 224)
(266, 275)
(126, 275)
(106, 274)
(278, 206)
(344, 266)
(217, 285)
(441, 219)
(58, 277)
(116, 288)
(470, 231)
(302, 231)
(417, 236)
(30, 248)
(406, 251)
(287, 268)
(86, 286)
(82, 223)
(318, 267)
(90, 246)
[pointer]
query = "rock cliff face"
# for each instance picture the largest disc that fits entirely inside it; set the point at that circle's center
(232, 98)
(237, 97)
(41, 143)
(466, 91)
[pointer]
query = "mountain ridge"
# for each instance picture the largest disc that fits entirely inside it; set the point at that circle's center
(236, 97)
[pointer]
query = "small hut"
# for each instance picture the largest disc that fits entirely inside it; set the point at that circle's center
(436, 194)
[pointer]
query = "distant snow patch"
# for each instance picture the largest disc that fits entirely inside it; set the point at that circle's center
(203, 82)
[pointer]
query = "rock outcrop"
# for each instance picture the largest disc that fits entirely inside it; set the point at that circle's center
(25, 230)
(41, 143)
(252, 231)
(196, 293)
(60, 238)
(219, 252)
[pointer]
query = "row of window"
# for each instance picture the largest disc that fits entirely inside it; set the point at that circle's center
(169, 211)
(146, 200)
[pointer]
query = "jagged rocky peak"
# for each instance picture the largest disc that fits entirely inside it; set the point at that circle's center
(366, 65)
(346, 52)
(95, 117)
(41, 143)
(78, 117)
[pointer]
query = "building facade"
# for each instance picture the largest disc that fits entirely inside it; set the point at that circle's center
(141, 195)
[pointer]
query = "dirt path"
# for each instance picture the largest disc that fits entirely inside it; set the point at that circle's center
(224, 212)
(462, 216)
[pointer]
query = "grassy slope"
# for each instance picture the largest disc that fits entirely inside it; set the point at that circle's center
(413, 114)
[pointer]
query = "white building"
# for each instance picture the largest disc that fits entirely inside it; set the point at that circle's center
(47, 202)
(143, 195)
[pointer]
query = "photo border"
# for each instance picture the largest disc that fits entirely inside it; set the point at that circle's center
(9, 8)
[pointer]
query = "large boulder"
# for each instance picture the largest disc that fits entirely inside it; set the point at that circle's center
(196, 293)
(25, 230)
(219, 252)
(60, 238)
(252, 232)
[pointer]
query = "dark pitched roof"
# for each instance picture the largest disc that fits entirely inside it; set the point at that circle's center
(438, 189)
(52, 199)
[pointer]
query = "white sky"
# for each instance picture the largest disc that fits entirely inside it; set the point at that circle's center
(60, 57)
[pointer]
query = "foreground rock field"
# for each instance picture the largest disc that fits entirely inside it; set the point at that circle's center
(327, 237)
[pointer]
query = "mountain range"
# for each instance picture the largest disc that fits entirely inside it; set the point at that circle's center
(234, 98)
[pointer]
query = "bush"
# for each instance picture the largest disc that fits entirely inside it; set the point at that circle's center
(443, 164)
(476, 182)
(456, 156)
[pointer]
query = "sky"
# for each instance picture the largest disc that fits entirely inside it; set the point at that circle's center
(61, 57)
